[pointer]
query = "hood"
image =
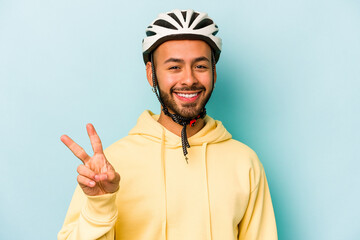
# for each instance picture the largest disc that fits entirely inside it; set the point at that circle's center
(147, 126)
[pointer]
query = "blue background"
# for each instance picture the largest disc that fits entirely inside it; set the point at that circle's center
(288, 86)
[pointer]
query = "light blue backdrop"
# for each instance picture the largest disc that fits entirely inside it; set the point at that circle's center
(288, 86)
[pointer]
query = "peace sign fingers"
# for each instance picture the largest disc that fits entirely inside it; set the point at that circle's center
(94, 139)
(78, 151)
(96, 176)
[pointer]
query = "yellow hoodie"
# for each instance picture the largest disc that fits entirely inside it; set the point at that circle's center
(221, 194)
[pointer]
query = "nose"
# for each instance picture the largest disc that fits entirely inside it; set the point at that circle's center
(189, 77)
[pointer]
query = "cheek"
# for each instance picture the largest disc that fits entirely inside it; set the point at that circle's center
(166, 81)
(205, 79)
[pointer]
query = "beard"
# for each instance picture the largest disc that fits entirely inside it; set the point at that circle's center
(186, 110)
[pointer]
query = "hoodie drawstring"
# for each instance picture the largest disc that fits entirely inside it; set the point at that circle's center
(162, 157)
(185, 142)
(204, 148)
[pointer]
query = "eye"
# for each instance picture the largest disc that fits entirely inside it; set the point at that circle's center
(201, 66)
(174, 68)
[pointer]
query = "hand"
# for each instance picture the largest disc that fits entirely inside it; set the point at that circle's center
(96, 175)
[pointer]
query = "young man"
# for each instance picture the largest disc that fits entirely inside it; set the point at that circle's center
(182, 175)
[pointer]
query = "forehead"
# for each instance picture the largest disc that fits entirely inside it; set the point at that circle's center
(183, 49)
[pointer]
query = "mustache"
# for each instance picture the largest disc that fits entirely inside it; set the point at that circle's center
(192, 88)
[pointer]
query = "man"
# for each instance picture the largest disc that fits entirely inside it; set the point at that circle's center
(182, 175)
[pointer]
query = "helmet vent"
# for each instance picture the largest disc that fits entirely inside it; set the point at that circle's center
(214, 33)
(193, 17)
(165, 24)
(203, 23)
(184, 15)
(150, 33)
(175, 18)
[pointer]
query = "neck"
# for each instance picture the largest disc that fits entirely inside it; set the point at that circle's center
(175, 128)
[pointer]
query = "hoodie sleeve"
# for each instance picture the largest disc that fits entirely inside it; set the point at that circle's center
(90, 217)
(258, 222)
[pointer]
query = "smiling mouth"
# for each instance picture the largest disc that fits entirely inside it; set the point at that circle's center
(188, 96)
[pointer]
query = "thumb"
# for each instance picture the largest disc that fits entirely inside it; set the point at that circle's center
(113, 177)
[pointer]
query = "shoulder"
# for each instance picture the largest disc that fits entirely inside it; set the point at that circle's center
(121, 152)
(121, 146)
(239, 157)
(236, 149)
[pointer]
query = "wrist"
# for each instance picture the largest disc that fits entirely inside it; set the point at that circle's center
(100, 208)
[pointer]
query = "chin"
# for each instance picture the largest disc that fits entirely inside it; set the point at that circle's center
(189, 113)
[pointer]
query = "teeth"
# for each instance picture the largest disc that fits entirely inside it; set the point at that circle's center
(187, 95)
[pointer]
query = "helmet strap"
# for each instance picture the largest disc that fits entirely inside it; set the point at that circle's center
(174, 116)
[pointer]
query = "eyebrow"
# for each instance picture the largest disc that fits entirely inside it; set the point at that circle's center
(199, 59)
(178, 60)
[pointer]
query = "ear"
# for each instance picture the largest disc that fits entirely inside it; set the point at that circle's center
(149, 73)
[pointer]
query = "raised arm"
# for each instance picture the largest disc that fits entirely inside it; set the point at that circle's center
(92, 213)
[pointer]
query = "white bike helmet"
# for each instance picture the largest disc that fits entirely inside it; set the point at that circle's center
(181, 25)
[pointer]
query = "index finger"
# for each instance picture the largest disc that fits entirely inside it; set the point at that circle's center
(94, 139)
(78, 151)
